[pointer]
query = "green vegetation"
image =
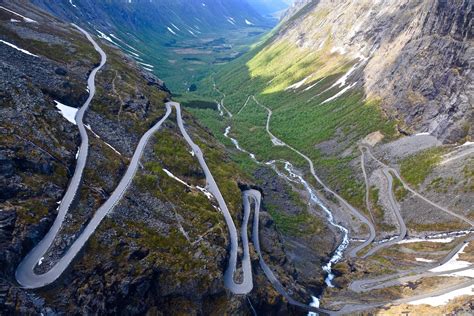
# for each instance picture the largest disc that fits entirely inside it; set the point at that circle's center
(468, 172)
(173, 153)
(377, 210)
(56, 52)
(416, 168)
(399, 189)
(441, 226)
(183, 61)
(127, 84)
(200, 104)
(441, 185)
(295, 225)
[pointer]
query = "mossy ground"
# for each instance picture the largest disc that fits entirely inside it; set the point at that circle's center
(416, 168)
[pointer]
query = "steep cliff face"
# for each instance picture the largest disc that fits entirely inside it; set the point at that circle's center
(415, 56)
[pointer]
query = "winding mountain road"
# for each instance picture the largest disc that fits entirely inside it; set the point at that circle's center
(396, 210)
(408, 275)
(348, 206)
(27, 277)
(407, 187)
(367, 187)
(247, 284)
(359, 285)
(24, 274)
(256, 197)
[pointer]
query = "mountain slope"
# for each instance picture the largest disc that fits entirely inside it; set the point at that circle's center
(269, 7)
(355, 213)
(397, 35)
(163, 248)
(328, 56)
(178, 40)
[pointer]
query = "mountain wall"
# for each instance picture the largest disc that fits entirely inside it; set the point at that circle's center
(418, 56)
(193, 15)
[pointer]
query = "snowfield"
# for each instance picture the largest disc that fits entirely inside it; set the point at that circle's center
(444, 299)
(24, 51)
(27, 20)
(68, 112)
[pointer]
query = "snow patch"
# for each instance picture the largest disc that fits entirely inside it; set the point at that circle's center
(70, 1)
(177, 28)
(113, 148)
(454, 263)
(337, 95)
(120, 40)
(171, 31)
(106, 37)
(383, 241)
(27, 20)
(248, 22)
(24, 51)
(68, 112)
(175, 177)
(423, 260)
(146, 65)
(445, 298)
(298, 84)
(343, 80)
(90, 129)
(467, 144)
(438, 240)
(340, 50)
(205, 192)
(313, 85)
(135, 55)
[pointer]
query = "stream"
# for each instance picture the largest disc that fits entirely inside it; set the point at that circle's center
(294, 177)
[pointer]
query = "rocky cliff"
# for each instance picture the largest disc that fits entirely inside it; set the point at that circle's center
(417, 56)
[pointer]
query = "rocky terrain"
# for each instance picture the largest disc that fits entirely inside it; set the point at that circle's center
(164, 247)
